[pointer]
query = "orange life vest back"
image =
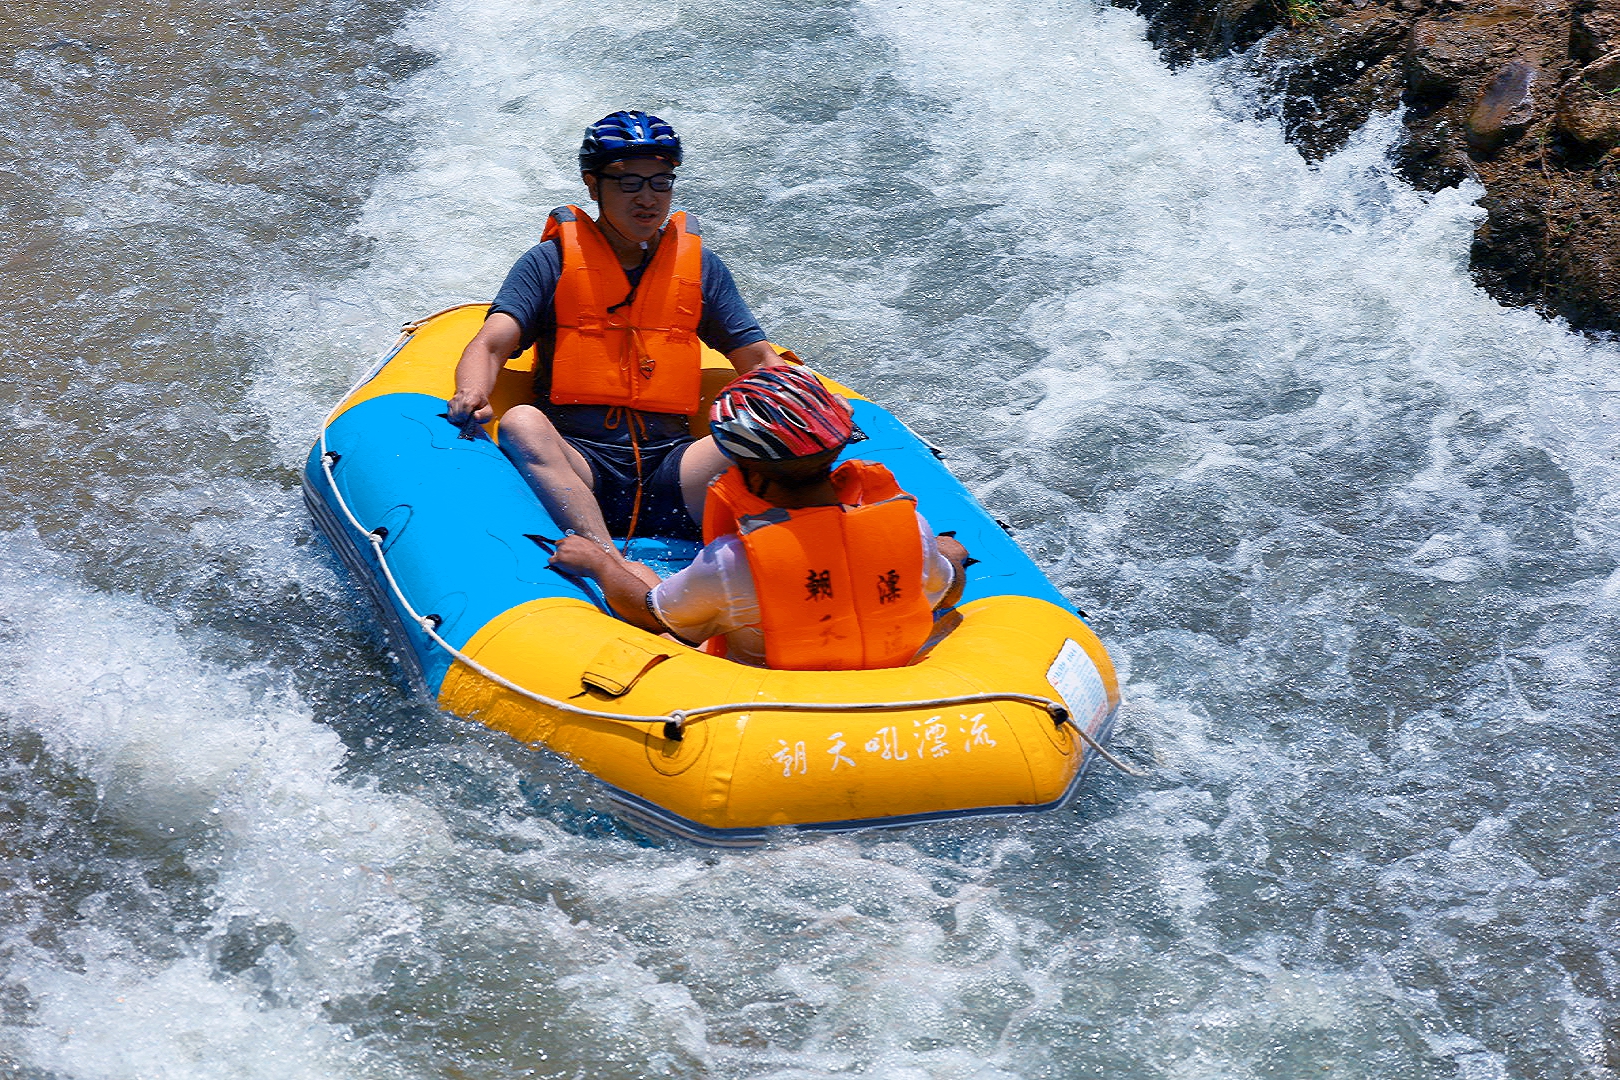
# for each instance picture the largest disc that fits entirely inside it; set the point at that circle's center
(840, 587)
(644, 354)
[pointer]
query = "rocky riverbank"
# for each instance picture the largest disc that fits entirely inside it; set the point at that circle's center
(1523, 95)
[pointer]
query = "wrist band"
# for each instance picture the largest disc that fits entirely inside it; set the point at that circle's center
(659, 619)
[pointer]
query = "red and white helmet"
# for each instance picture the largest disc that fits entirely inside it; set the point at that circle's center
(779, 414)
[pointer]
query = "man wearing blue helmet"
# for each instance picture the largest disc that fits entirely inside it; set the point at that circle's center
(616, 306)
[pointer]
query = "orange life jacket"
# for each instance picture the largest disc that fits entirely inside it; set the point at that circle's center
(840, 587)
(644, 354)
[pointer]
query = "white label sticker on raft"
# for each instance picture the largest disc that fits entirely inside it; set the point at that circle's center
(1078, 682)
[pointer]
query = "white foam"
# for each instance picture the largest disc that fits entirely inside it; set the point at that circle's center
(117, 1014)
(244, 781)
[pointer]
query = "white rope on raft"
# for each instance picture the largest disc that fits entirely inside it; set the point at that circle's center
(674, 721)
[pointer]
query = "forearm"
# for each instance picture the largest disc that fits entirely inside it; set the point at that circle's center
(957, 556)
(478, 368)
(627, 595)
(748, 357)
(958, 586)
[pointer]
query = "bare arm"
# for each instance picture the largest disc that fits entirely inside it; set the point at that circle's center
(480, 363)
(749, 357)
(957, 556)
(626, 593)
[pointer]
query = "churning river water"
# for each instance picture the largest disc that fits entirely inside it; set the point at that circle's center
(1349, 527)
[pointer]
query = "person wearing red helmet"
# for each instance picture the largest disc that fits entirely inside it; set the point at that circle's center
(616, 307)
(805, 567)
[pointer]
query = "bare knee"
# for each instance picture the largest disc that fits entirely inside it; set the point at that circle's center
(529, 438)
(528, 433)
(701, 464)
(525, 423)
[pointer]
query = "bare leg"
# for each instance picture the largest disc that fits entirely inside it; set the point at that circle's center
(560, 476)
(701, 463)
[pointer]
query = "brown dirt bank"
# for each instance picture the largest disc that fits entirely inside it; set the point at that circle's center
(1523, 95)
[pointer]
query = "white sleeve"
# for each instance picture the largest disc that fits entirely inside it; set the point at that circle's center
(939, 573)
(715, 595)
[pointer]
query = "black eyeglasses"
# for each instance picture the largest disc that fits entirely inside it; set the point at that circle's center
(630, 183)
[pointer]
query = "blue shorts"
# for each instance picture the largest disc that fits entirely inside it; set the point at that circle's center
(613, 482)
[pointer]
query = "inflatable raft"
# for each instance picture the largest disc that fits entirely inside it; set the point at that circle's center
(1002, 714)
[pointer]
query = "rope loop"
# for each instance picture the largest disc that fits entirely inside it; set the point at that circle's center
(1087, 738)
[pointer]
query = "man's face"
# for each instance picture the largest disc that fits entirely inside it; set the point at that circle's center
(636, 216)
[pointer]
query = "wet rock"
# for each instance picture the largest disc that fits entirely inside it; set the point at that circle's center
(1504, 109)
(1584, 275)
(1327, 75)
(1442, 55)
(1594, 29)
(1589, 105)
(1334, 52)
(1183, 30)
(1507, 246)
(1431, 158)
(1516, 95)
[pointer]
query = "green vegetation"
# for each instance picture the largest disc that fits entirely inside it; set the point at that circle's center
(1300, 12)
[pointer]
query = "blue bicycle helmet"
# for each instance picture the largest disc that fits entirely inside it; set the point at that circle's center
(628, 133)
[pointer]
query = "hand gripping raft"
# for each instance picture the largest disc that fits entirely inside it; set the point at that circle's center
(1002, 715)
